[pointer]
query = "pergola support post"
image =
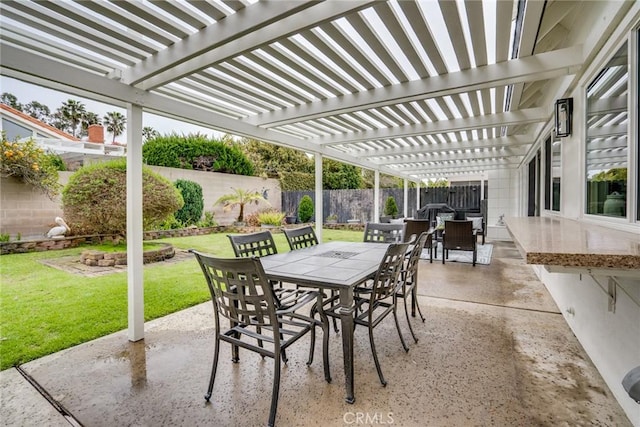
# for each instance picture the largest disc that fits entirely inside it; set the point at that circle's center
(405, 207)
(376, 196)
(318, 190)
(135, 280)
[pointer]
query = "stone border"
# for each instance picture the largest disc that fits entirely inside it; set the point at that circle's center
(110, 259)
(17, 247)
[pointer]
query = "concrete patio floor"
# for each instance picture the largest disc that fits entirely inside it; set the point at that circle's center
(494, 350)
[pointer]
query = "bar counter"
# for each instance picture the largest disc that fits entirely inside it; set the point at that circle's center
(569, 243)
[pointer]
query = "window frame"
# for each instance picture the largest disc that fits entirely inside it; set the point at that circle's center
(633, 157)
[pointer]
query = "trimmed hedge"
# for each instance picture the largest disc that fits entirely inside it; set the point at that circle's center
(95, 199)
(196, 152)
(191, 192)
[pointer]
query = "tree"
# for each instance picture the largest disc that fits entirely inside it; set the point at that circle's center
(240, 198)
(149, 133)
(95, 199)
(89, 118)
(337, 175)
(114, 121)
(73, 111)
(438, 183)
(11, 100)
(272, 160)
(38, 111)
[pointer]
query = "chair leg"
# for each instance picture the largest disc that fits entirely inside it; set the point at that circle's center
(312, 345)
(406, 312)
(214, 368)
(276, 389)
(375, 357)
(395, 317)
(414, 301)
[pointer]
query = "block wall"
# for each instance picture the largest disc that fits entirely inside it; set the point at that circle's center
(26, 212)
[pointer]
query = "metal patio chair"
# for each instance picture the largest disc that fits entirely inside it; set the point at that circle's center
(260, 320)
(409, 278)
(382, 300)
(304, 237)
(377, 232)
(254, 244)
(299, 238)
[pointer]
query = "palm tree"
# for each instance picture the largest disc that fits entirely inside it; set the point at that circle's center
(148, 133)
(240, 198)
(89, 118)
(73, 111)
(114, 121)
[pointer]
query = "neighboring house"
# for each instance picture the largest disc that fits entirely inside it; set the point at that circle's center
(18, 125)
(74, 151)
(23, 210)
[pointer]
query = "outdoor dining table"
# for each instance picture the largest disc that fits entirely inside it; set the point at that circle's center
(332, 265)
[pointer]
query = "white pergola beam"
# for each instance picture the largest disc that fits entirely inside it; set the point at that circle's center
(261, 24)
(531, 115)
(505, 141)
(538, 67)
(37, 69)
(446, 155)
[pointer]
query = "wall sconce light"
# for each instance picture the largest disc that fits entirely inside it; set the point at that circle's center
(563, 117)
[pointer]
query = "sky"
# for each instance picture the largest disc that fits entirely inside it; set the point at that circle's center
(27, 92)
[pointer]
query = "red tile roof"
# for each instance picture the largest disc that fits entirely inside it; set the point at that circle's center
(38, 123)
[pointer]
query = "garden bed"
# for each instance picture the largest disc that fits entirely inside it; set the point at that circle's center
(17, 247)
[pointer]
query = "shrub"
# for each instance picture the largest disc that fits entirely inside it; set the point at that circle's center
(170, 223)
(271, 217)
(305, 209)
(196, 151)
(94, 200)
(390, 207)
(28, 162)
(191, 192)
(208, 221)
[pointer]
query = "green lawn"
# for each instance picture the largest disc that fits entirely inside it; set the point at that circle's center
(44, 310)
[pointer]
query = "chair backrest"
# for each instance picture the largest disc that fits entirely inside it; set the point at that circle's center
(255, 244)
(386, 281)
(410, 269)
(478, 220)
(459, 234)
(240, 290)
(302, 237)
(415, 227)
(384, 233)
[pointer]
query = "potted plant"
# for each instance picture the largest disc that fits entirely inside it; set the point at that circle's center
(291, 218)
(332, 219)
(240, 198)
(390, 207)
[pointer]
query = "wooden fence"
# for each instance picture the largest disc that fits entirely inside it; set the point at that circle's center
(358, 204)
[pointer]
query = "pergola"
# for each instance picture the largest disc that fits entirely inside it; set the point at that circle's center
(413, 89)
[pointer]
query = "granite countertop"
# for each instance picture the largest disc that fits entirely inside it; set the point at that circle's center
(570, 243)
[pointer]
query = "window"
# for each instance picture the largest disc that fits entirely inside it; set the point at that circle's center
(15, 131)
(607, 141)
